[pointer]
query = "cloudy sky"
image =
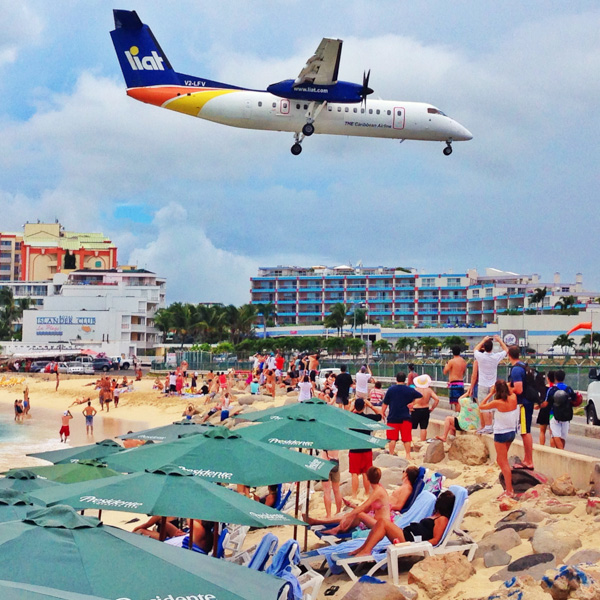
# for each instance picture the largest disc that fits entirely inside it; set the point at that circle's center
(205, 205)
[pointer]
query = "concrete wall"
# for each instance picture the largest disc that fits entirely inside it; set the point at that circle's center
(549, 461)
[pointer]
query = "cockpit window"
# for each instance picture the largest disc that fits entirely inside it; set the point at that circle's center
(435, 111)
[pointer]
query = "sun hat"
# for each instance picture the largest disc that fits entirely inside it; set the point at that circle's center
(422, 381)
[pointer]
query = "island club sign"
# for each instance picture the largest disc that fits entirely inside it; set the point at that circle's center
(54, 325)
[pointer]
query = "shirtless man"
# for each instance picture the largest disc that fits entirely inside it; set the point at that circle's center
(64, 429)
(313, 366)
(455, 369)
(88, 412)
(421, 408)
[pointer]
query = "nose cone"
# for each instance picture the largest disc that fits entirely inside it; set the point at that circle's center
(462, 134)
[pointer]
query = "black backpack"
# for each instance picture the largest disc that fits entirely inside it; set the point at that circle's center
(561, 404)
(530, 385)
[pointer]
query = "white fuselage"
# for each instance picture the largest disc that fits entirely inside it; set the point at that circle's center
(379, 118)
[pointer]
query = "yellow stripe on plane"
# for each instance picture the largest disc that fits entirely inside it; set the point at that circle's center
(193, 102)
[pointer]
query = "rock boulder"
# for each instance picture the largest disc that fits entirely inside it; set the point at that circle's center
(436, 575)
(555, 539)
(506, 539)
(563, 486)
(435, 452)
(390, 460)
(469, 449)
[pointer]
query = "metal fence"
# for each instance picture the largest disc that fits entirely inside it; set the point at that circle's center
(576, 375)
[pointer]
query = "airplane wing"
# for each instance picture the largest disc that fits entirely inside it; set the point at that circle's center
(322, 67)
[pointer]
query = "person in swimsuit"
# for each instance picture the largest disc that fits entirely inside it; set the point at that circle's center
(506, 419)
(18, 411)
(402, 493)
(376, 506)
(430, 529)
(171, 529)
(26, 401)
(89, 412)
(189, 412)
(455, 369)
(421, 408)
(65, 431)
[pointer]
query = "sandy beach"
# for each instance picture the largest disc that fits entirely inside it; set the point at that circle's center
(144, 408)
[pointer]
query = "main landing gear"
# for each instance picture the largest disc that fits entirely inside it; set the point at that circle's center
(314, 108)
(448, 148)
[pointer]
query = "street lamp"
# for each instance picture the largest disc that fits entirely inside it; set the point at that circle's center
(360, 305)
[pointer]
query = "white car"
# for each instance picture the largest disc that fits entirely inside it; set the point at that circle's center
(322, 376)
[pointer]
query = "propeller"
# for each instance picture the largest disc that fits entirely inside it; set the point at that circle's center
(365, 90)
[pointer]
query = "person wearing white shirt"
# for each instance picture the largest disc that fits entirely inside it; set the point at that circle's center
(487, 373)
(306, 388)
(363, 377)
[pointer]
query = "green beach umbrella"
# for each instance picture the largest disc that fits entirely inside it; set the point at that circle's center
(73, 472)
(168, 491)
(317, 409)
(58, 548)
(75, 455)
(23, 480)
(225, 456)
(14, 506)
(24, 591)
(167, 433)
(308, 433)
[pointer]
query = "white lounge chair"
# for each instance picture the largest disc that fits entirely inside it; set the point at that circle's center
(447, 544)
(336, 555)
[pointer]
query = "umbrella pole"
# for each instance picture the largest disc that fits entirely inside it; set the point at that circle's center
(216, 533)
(307, 510)
(297, 508)
(99, 514)
(163, 529)
(191, 540)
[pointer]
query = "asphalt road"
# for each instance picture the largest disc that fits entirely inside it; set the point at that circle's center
(575, 443)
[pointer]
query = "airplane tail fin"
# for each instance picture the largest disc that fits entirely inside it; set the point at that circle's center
(141, 58)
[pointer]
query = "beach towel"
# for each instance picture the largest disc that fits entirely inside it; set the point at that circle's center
(265, 549)
(281, 566)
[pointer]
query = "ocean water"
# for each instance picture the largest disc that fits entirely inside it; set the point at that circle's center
(40, 433)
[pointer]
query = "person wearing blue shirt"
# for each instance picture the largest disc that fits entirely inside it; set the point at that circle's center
(517, 381)
(254, 387)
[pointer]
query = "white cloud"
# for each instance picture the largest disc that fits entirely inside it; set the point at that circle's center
(195, 268)
(20, 27)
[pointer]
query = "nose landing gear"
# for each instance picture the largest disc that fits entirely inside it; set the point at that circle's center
(297, 147)
(448, 148)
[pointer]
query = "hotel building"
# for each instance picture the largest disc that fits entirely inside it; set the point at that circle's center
(305, 295)
(45, 249)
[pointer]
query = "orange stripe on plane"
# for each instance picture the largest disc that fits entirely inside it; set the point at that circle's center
(156, 95)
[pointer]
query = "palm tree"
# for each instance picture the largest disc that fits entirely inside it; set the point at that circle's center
(537, 296)
(428, 344)
(337, 317)
(11, 311)
(455, 340)
(266, 310)
(360, 318)
(163, 320)
(405, 344)
(564, 341)
(591, 339)
(210, 321)
(181, 316)
(240, 321)
(565, 303)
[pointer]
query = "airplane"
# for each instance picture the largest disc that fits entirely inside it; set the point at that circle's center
(314, 102)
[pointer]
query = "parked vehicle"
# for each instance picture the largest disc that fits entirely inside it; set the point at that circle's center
(104, 364)
(122, 363)
(38, 366)
(592, 408)
(322, 377)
